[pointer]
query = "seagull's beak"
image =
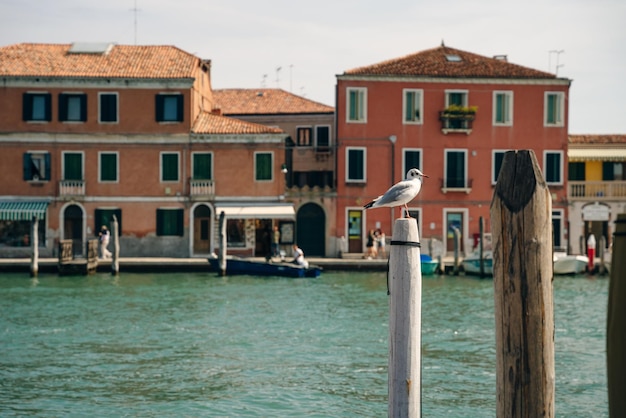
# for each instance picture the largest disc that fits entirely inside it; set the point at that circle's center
(424, 175)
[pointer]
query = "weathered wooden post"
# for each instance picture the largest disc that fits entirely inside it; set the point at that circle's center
(601, 248)
(616, 323)
(522, 273)
(115, 258)
(481, 246)
(457, 250)
(34, 247)
(221, 251)
(405, 309)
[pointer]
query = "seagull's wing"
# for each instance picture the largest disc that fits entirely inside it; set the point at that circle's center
(399, 194)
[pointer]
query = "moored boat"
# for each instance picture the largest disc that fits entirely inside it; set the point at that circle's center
(237, 265)
(471, 264)
(428, 265)
(570, 264)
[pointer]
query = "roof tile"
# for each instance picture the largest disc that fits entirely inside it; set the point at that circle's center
(597, 139)
(265, 102)
(209, 123)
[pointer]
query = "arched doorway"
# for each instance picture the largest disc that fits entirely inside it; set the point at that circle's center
(202, 229)
(73, 228)
(311, 230)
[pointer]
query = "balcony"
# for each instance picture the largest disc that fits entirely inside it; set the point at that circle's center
(596, 190)
(202, 189)
(71, 188)
(457, 119)
(458, 185)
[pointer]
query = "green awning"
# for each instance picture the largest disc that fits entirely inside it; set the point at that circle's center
(22, 211)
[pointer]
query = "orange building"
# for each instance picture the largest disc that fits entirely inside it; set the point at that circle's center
(452, 114)
(88, 131)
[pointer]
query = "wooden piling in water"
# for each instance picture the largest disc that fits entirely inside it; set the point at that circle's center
(405, 305)
(34, 247)
(616, 323)
(115, 256)
(522, 273)
(221, 252)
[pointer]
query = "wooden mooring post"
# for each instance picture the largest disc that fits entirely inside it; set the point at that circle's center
(521, 225)
(115, 256)
(221, 251)
(616, 323)
(405, 315)
(34, 247)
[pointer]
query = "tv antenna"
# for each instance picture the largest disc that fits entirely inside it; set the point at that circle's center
(135, 10)
(278, 77)
(558, 52)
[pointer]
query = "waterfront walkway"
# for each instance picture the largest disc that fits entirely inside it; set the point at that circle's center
(196, 264)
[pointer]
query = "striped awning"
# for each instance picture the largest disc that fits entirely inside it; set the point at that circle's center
(596, 154)
(256, 211)
(22, 211)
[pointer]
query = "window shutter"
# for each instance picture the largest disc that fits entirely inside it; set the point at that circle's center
(159, 222)
(83, 107)
(48, 102)
(607, 170)
(180, 115)
(28, 175)
(27, 106)
(159, 99)
(62, 107)
(47, 162)
(179, 222)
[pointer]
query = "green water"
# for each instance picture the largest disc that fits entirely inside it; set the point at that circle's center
(197, 345)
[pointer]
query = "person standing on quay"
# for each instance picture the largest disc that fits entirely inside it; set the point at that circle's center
(104, 242)
(276, 242)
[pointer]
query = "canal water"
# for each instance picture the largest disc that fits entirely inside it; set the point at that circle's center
(197, 345)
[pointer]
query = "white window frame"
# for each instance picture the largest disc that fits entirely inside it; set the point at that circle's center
(545, 166)
(405, 169)
(465, 188)
(465, 96)
(347, 177)
(161, 154)
(117, 166)
(330, 135)
(117, 107)
(561, 217)
(494, 178)
(419, 105)
(271, 153)
(560, 122)
(311, 139)
(508, 116)
(362, 92)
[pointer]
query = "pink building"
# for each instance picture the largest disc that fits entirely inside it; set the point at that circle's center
(452, 114)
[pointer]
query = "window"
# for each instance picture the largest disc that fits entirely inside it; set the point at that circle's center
(553, 166)
(304, 136)
(202, 168)
(72, 165)
(108, 167)
(455, 169)
(576, 171)
(72, 107)
(357, 105)
(169, 107)
(170, 222)
(36, 166)
(412, 104)
(105, 217)
(36, 107)
(169, 166)
(322, 138)
(612, 170)
(557, 229)
(235, 233)
(108, 107)
(554, 108)
(355, 164)
(412, 159)
(497, 157)
(263, 166)
(456, 97)
(503, 108)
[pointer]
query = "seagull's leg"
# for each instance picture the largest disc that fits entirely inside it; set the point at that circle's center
(407, 214)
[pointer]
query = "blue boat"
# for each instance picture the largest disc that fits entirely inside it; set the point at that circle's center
(428, 265)
(237, 266)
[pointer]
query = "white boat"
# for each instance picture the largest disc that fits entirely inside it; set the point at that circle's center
(471, 264)
(570, 264)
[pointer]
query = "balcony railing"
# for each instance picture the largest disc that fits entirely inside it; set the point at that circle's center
(71, 188)
(456, 185)
(596, 190)
(456, 122)
(201, 188)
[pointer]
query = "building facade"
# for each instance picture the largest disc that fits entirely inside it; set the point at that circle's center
(596, 188)
(309, 165)
(88, 131)
(452, 114)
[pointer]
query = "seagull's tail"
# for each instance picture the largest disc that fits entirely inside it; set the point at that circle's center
(369, 205)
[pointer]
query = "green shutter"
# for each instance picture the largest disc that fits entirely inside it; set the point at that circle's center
(73, 166)
(169, 167)
(263, 166)
(356, 165)
(202, 166)
(108, 167)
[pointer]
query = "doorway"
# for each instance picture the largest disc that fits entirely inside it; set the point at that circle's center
(355, 231)
(454, 221)
(73, 228)
(311, 229)
(202, 230)
(263, 237)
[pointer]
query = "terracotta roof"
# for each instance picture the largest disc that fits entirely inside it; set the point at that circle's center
(121, 61)
(265, 102)
(209, 123)
(448, 62)
(597, 139)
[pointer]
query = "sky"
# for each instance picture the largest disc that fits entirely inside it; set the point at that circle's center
(301, 46)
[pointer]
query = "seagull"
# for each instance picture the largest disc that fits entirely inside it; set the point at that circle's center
(400, 193)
